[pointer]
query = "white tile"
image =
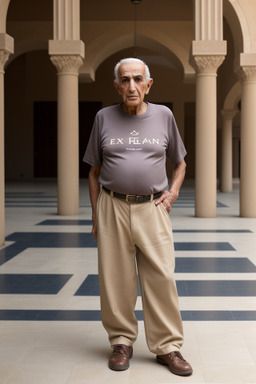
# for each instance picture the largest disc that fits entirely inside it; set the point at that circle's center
(5, 372)
(230, 374)
(40, 374)
(97, 374)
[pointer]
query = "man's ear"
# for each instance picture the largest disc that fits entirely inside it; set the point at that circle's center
(116, 85)
(149, 85)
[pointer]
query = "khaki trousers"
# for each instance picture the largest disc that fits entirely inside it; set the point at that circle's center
(137, 238)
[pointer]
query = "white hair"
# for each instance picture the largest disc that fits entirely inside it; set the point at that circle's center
(129, 60)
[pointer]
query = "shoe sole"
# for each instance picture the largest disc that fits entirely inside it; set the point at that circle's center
(179, 373)
(119, 368)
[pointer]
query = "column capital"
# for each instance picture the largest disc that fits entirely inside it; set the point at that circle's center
(247, 74)
(4, 56)
(67, 64)
(207, 64)
(6, 48)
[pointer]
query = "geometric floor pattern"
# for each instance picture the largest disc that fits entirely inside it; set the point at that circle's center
(50, 328)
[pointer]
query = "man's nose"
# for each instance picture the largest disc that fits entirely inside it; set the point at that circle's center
(132, 86)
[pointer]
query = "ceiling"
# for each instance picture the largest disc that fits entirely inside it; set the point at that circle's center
(103, 10)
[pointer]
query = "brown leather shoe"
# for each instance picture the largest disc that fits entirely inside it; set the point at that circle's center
(119, 360)
(176, 363)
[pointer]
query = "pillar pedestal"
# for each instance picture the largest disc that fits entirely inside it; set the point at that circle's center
(68, 133)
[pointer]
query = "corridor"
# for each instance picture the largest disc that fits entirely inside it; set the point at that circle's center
(50, 328)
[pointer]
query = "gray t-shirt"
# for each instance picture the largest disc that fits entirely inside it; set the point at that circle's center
(132, 149)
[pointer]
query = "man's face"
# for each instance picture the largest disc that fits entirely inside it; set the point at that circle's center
(132, 84)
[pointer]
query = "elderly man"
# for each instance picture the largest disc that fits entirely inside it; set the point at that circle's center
(131, 202)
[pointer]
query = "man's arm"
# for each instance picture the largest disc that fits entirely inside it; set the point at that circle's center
(169, 197)
(94, 190)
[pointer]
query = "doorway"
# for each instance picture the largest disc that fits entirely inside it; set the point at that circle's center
(45, 136)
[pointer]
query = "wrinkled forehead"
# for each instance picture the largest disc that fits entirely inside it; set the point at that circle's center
(131, 69)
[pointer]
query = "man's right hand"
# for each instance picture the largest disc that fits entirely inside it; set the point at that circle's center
(94, 189)
(94, 229)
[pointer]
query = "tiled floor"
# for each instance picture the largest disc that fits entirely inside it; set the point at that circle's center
(50, 329)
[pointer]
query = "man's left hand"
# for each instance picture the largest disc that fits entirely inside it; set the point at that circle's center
(167, 199)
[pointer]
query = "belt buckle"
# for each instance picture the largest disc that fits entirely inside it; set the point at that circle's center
(130, 198)
(134, 199)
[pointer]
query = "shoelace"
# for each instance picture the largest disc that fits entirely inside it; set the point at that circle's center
(119, 350)
(178, 354)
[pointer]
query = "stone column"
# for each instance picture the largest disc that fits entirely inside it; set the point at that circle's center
(247, 75)
(206, 134)
(67, 52)
(6, 47)
(208, 51)
(226, 176)
(68, 133)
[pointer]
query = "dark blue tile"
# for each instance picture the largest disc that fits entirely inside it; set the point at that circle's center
(90, 287)
(218, 315)
(139, 315)
(32, 284)
(214, 264)
(11, 251)
(95, 315)
(221, 205)
(202, 288)
(81, 240)
(212, 231)
(19, 315)
(204, 246)
(46, 315)
(49, 315)
(211, 315)
(53, 239)
(9, 314)
(244, 315)
(186, 315)
(79, 315)
(243, 288)
(66, 222)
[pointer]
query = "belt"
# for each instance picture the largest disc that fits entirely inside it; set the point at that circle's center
(133, 198)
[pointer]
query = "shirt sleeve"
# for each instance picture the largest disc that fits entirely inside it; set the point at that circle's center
(93, 155)
(175, 150)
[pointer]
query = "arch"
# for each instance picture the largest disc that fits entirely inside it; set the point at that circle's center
(4, 4)
(28, 46)
(117, 39)
(236, 19)
(233, 97)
